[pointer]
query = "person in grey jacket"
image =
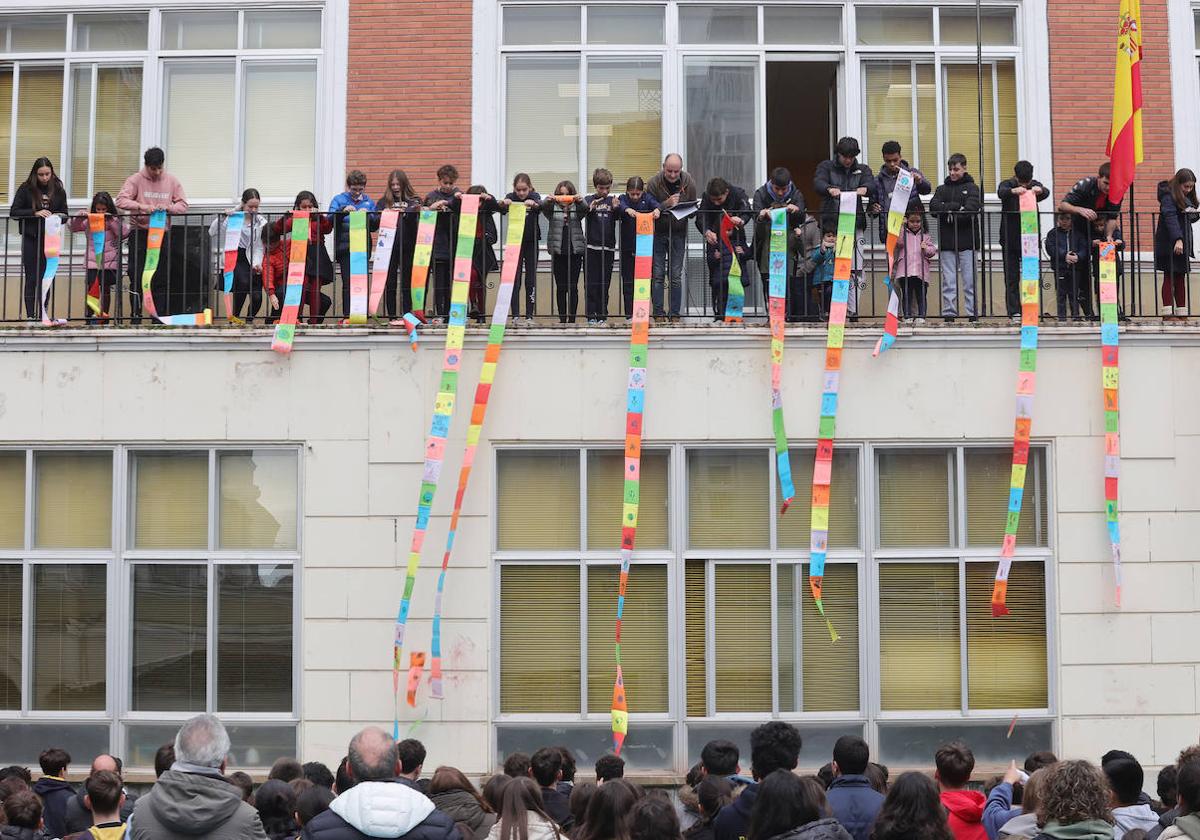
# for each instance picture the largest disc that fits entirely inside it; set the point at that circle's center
(670, 187)
(192, 800)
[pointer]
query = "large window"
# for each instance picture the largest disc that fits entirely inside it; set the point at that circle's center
(720, 628)
(199, 545)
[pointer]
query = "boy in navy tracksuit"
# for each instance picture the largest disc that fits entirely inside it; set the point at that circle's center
(636, 200)
(600, 231)
(523, 192)
(445, 200)
(1069, 250)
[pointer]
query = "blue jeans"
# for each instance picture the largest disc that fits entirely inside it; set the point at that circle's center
(676, 242)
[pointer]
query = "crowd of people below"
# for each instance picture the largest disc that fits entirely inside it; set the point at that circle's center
(586, 232)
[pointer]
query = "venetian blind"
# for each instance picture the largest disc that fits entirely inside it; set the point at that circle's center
(171, 500)
(792, 530)
(643, 637)
(539, 638)
(919, 660)
(695, 643)
(988, 479)
(742, 637)
(6, 91)
(280, 169)
(1006, 657)
(624, 117)
(542, 119)
(74, 500)
(39, 115)
(915, 495)
(199, 99)
(69, 638)
(12, 500)
(537, 499)
(254, 637)
(118, 127)
(170, 638)
(10, 636)
(257, 498)
(728, 498)
(831, 670)
(606, 493)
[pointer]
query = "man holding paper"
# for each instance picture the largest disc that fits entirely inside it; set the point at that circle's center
(675, 190)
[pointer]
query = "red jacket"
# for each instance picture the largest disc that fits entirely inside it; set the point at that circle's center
(275, 265)
(966, 813)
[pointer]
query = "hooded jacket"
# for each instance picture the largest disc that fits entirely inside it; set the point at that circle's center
(382, 809)
(1186, 827)
(79, 818)
(187, 805)
(140, 194)
(766, 199)
(1086, 830)
(733, 821)
(1129, 817)
(824, 829)
(537, 827)
(855, 804)
(1174, 225)
(1024, 825)
(12, 832)
(965, 813)
(831, 173)
(999, 810)
(55, 794)
(465, 810)
(956, 205)
(1165, 821)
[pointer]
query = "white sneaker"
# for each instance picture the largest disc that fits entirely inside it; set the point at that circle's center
(909, 320)
(1168, 311)
(1016, 319)
(920, 322)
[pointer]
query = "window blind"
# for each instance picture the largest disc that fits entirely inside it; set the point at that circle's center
(1006, 657)
(199, 101)
(280, 169)
(1006, 114)
(257, 498)
(831, 670)
(537, 501)
(74, 500)
(919, 659)
(171, 504)
(643, 637)
(624, 118)
(542, 119)
(957, 27)
(988, 478)
(915, 496)
(539, 638)
(695, 644)
(728, 498)
(39, 115)
(606, 492)
(170, 638)
(254, 638)
(721, 116)
(927, 126)
(888, 86)
(787, 597)
(118, 127)
(12, 500)
(81, 126)
(291, 29)
(742, 631)
(6, 104)
(962, 120)
(884, 25)
(68, 655)
(10, 636)
(792, 530)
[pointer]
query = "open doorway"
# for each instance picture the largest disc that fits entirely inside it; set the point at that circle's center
(801, 108)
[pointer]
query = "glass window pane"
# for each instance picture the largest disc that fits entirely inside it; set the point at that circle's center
(538, 603)
(292, 29)
(24, 741)
(277, 168)
(12, 499)
(927, 127)
(81, 128)
(999, 110)
(1006, 657)
(814, 674)
(125, 31)
(541, 124)
(118, 127)
(919, 637)
(728, 498)
(170, 638)
(695, 641)
(888, 97)
(254, 638)
(10, 637)
(6, 93)
(883, 25)
(721, 102)
(718, 24)
(170, 505)
(988, 478)
(648, 747)
(913, 744)
(915, 498)
(199, 30)
(74, 499)
(1006, 115)
(793, 529)
(198, 97)
(624, 117)
(259, 745)
(956, 27)
(742, 637)
(625, 24)
(39, 115)
(33, 33)
(541, 25)
(643, 637)
(537, 499)
(606, 493)
(258, 491)
(142, 741)
(802, 24)
(68, 655)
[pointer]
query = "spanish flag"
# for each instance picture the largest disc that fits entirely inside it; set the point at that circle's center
(1125, 136)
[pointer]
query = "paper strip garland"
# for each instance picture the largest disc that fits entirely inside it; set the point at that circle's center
(416, 665)
(827, 429)
(487, 376)
(51, 247)
(776, 308)
(1026, 382)
(635, 396)
(154, 240)
(233, 236)
(736, 298)
(895, 220)
(422, 257)
(384, 245)
(1110, 377)
(443, 412)
(97, 231)
(285, 330)
(358, 267)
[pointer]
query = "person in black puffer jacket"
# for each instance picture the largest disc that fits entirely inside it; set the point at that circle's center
(1173, 249)
(844, 173)
(956, 204)
(791, 807)
(721, 199)
(454, 795)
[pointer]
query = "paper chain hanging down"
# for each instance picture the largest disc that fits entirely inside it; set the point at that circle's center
(96, 229)
(1110, 374)
(51, 246)
(285, 330)
(735, 301)
(1026, 382)
(233, 236)
(895, 220)
(154, 240)
(358, 267)
(777, 297)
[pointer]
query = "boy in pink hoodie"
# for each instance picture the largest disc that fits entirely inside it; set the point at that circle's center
(955, 763)
(150, 188)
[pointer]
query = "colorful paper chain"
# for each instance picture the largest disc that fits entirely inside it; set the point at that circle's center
(51, 246)
(385, 243)
(233, 236)
(358, 267)
(487, 375)
(435, 445)
(895, 220)
(285, 330)
(827, 429)
(634, 412)
(736, 298)
(1026, 382)
(777, 301)
(97, 229)
(154, 241)
(1112, 414)
(422, 256)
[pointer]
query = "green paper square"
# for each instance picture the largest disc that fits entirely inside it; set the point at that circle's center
(827, 428)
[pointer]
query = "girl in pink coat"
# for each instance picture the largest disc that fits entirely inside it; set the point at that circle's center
(102, 274)
(911, 262)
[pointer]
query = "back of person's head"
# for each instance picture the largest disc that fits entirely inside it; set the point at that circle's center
(516, 765)
(568, 763)
(154, 156)
(1135, 834)
(891, 147)
(581, 796)
(315, 800)
(955, 762)
(54, 761)
(300, 785)
(493, 790)
(781, 176)
(243, 783)
(451, 778)
(411, 753)
(1038, 760)
(786, 801)
(1125, 777)
(694, 774)
(825, 774)
(608, 812)
(774, 746)
(1187, 782)
(1023, 169)
(912, 810)
(17, 771)
(851, 754)
(1072, 792)
(1167, 785)
(342, 780)
(319, 774)
(202, 741)
(23, 809)
(609, 767)
(373, 756)
(654, 818)
(877, 776)
(520, 797)
(720, 757)
(545, 766)
(276, 804)
(11, 785)
(286, 769)
(847, 147)
(104, 792)
(713, 793)
(1031, 791)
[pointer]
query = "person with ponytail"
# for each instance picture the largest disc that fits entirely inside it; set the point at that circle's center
(522, 814)
(40, 196)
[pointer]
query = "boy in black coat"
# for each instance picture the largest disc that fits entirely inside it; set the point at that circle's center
(957, 203)
(843, 173)
(719, 200)
(1069, 253)
(1009, 192)
(445, 200)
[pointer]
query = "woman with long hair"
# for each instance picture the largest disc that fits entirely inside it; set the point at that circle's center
(400, 196)
(712, 794)
(318, 268)
(608, 812)
(1173, 252)
(1075, 803)
(522, 814)
(653, 818)
(38, 198)
(455, 796)
(791, 807)
(276, 805)
(912, 810)
(1025, 824)
(247, 271)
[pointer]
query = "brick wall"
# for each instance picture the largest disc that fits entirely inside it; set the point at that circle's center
(408, 97)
